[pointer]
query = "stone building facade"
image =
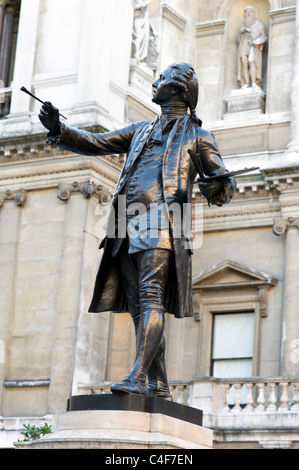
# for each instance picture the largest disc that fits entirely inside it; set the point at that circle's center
(238, 358)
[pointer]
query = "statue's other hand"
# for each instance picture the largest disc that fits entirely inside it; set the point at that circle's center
(210, 189)
(229, 187)
(49, 117)
(218, 192)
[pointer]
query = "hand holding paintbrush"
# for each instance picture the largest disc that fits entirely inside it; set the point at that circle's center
(49, 115)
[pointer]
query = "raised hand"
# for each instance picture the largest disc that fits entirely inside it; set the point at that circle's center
(49, 117)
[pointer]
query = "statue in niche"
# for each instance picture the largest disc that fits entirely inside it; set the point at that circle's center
(251, 39)
(144, 38)
(153, 54)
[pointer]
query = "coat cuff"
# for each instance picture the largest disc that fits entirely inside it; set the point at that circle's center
(55, 139)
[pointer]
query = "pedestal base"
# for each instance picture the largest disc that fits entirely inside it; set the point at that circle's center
(125, 422)
(249, 100)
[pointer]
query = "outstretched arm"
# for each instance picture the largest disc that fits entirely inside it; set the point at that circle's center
(84, 142)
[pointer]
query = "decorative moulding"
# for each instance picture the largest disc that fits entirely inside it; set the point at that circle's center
(87, 189)
(19, 197)
(173, 16)
(232, 278)
(280, 226)
(281, 15)
(210, 28)
(229, 274)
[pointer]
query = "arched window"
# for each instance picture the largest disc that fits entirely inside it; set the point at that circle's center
(9, 20)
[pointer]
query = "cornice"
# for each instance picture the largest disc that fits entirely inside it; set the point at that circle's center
(272, 174)
(55, 171)
(244, 213)
(33, 147)
(210, 28)
(281, 15)
(173, 16)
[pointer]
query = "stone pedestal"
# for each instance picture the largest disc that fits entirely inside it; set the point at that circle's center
(125, 422)
(249, 100)
(141, 77)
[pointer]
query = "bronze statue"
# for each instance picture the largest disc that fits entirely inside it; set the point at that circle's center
(150, 275)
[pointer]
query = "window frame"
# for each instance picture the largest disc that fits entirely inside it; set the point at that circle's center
(208, 312)
(213, 360)
(227, 288)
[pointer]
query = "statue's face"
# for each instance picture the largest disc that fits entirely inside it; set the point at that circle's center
(249, 17)
(163, 88)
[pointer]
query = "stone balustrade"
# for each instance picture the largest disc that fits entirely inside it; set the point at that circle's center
(233, 395)
(263, 395)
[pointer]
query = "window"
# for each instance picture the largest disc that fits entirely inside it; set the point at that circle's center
(233, 343)
(230, 301)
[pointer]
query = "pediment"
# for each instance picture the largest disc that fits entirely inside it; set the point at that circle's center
(231, 274)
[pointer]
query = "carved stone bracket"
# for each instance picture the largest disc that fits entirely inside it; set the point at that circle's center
(263, 292)
(19, 197)
(280, 226)
(87, 189)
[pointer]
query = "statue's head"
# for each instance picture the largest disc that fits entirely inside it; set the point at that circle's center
(177, 82)
(249, 16)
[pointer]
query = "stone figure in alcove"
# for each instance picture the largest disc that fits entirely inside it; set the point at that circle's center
(144, 37)
(251, 39)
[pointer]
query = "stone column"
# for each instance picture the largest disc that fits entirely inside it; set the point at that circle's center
(10, 218)
(290, 323)
(6, 42)
(293, 146)
(2, 6)
(19, 119)
(67, 304)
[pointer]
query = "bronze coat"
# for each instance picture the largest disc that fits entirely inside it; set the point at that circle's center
(177, 174)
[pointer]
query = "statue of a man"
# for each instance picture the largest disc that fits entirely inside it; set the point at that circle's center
(148, 274)
(141, 31)
(251, 40)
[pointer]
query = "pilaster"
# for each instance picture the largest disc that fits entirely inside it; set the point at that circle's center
(9, 235)
(18, 120)
(293, 147)
(6, 40)
(288, 226)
